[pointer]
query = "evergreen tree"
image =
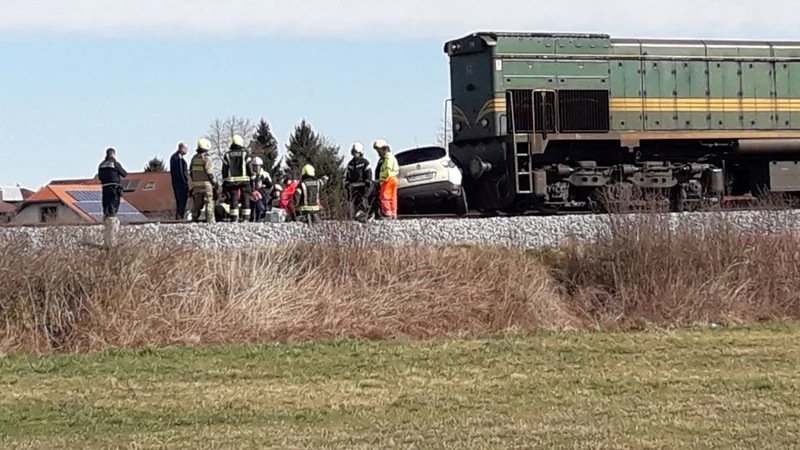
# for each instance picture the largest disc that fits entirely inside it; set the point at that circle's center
(265, 146)
(155, 165)
(306, 146)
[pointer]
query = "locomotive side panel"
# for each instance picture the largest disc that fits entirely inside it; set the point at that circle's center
(572, 115)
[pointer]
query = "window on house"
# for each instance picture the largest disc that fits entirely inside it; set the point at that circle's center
(150, 186)
(48, 214)
(130, 185)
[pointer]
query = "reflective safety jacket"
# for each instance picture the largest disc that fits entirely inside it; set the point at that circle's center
(389, 167)
(236, 168)
(307, 195)
(202, 171)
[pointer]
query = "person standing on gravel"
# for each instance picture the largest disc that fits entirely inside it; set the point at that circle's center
(203, 183)
(110, 173)
(236, 174)
(389, 172)
(180, 179)
(307, 196)
(357, 179)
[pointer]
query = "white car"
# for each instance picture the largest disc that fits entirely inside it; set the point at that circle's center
(429, 178)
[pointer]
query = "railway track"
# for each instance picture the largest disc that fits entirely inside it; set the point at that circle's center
(731, 204)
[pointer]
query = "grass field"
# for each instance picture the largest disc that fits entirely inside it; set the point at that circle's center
(704, 388)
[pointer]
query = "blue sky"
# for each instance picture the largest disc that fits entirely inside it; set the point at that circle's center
(77, 76)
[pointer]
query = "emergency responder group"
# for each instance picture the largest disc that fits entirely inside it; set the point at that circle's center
(247, 191)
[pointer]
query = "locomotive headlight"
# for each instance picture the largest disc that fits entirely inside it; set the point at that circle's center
(484, 122)
(457, 126)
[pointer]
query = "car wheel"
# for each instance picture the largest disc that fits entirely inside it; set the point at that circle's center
(461, 206)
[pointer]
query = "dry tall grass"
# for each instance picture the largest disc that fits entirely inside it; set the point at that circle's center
(138, 295)
(644, 271)
(640, 272)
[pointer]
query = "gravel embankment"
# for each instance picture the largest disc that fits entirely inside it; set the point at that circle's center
(524, 232)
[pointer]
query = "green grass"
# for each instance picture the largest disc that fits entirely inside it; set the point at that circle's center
(734, 388)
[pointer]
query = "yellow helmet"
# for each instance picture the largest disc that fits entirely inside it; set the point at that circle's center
(308, 170)
(379, 144)
(237, 140)
(204, 144)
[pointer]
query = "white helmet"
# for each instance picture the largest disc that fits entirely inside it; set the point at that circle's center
(258, 161)
(357, 149)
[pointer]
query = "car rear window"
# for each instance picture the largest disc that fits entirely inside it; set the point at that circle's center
(419, 155)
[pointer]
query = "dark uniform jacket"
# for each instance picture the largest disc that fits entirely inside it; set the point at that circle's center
(307, 195)
(236, 168)
(111, 172)
(358, 171)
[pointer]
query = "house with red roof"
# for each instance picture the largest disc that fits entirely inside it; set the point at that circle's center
(10, 199)
(149, 192)
(68, 204)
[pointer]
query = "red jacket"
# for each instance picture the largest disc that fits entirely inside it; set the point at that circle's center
(287, 195)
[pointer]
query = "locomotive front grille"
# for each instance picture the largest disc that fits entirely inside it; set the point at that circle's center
(520, 113)
(583, 111)
(568, 111)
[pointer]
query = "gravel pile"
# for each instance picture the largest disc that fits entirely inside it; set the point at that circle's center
(521, 232)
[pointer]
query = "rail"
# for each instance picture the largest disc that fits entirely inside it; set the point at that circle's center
(745, 203)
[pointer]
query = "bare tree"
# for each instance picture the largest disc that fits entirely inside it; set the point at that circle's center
(445, 133)
(221, 131)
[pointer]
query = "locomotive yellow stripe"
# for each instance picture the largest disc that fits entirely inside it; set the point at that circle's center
(498, 105)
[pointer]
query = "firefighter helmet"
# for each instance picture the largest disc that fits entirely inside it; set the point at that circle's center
(204, 144)
(237, 140)
(357, 149)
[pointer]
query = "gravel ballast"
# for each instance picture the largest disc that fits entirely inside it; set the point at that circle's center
(520, 232)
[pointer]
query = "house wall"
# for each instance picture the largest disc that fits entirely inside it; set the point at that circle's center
(31, 214)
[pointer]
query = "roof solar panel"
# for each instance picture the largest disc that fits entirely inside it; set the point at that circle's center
(131, 218)
(86, 196)
(127, 213)
(127, 208)
(90, 207)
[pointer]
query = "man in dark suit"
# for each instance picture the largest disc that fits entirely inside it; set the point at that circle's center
(179, 171)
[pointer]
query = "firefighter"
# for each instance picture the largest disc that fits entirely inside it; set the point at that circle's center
(261, 187)
(307, 196)
(203, 183)
(357, 179)
(110, 173)
(389, 172)
(237, 173)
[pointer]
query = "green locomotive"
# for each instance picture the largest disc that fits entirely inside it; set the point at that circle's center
(554, 121)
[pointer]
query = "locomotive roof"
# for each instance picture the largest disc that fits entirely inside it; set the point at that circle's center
(492, 35)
